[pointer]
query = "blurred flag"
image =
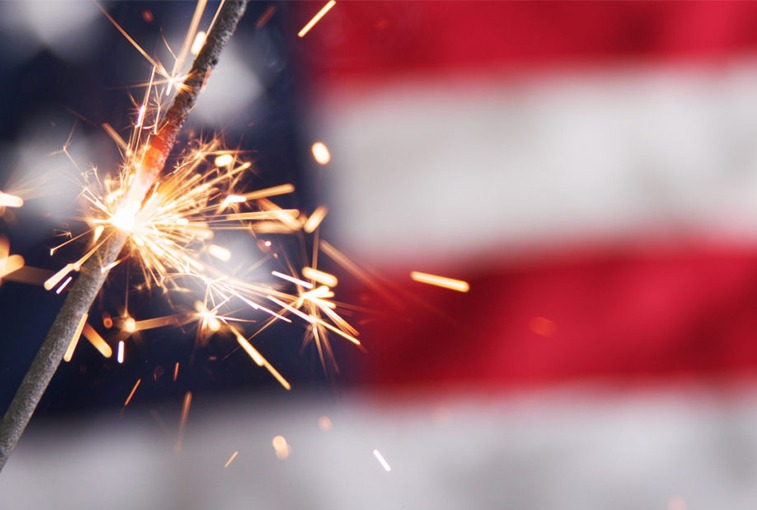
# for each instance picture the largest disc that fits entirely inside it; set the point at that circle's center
(589, 168)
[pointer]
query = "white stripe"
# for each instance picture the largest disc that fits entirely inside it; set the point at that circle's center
(437, 170)
(572, 449)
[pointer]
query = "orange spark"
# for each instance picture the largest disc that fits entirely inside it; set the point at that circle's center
(176, 371)
(258, 358)
(131, 393)
(273, 191)
(322, 277)
(440, 281)
(231, 459)
(75, 340)
(315, 219)
(326, 8)
(97, 341)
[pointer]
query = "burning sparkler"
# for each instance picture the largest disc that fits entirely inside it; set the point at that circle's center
(167, 222)
(143, 168)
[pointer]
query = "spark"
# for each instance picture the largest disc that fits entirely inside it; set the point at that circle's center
(97, 341)
(273, 191)
(322, 277)
(157, 322)
(120, 352)
(315, 219)
(265, 17)
(258, 358)
(176, 371)
(381, 460)
(75, 340)
(321, 153)
(129, 325)
(131, 393)
(440, 281)
(320, 14)
(64, 285)
(8, 200)
(57, 277)
(171, 224)
(231, 459)
(198, 43)
(107, 320)
(281, 447)
(219, 252)
(183, 421)
(292, 279)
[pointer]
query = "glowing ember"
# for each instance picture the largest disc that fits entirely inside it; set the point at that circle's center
(440, 281)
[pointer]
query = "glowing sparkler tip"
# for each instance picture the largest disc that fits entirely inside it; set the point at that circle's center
(125, 217)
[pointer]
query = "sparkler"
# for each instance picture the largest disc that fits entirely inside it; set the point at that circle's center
(146, 166)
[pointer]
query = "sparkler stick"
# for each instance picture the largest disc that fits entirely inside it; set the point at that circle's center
(95, 270)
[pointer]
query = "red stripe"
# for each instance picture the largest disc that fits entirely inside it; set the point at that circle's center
(616, 315)
(368, 40)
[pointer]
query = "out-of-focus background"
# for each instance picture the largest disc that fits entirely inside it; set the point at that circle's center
(590, 169)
